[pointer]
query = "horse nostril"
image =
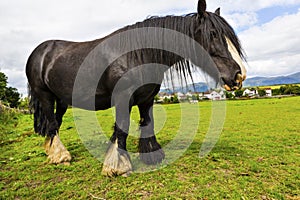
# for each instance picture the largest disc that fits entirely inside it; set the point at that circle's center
(239, 78)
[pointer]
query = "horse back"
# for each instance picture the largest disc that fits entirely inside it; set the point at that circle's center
(53, 65)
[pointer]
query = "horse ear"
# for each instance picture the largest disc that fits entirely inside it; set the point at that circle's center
(218, 12)
(201, 7)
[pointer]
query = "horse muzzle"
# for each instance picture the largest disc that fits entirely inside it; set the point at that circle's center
(237, 84)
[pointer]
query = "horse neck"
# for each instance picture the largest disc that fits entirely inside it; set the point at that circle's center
(185, 25)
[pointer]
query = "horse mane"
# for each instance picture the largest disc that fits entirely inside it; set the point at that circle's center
(179, 23)
(191, 25)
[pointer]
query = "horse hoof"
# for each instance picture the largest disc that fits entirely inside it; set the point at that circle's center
(57, 152)
(112, 172)
(153, 158)
(60, 158)
(117, 162)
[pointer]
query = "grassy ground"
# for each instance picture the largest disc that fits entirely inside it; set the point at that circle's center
(256, 157)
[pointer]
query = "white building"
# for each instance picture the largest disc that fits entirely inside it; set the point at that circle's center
(254, 92)
(250, 93)
(268, 92)
(216, 95)
(181, 96)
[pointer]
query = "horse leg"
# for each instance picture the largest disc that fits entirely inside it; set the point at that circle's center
(117, 161)
(61, 108)
(56, 151)
(149, 149)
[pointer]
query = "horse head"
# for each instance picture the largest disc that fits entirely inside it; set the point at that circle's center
(219, 39)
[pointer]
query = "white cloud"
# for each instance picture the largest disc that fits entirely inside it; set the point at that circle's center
(240, 20)
(275, 67)
(230, 6)
(274, 48)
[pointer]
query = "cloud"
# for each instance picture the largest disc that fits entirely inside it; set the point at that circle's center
(274, 48)
(275, 67)
(241, 20)
(232, 6)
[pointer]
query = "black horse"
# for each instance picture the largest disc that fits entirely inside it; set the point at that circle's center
(53, 67)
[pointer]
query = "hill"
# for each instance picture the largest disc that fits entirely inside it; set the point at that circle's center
(199, 87)
(279, 80)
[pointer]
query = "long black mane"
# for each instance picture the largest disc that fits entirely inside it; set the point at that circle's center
(197, 28)
(191, 25)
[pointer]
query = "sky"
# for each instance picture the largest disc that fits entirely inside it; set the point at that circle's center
(269, 30)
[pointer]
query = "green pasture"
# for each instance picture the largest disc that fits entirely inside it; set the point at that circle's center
(256, 157)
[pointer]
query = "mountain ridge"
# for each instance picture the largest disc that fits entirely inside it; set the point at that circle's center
(268, 81)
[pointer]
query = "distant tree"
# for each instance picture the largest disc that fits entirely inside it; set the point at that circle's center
(296, 89)
(24, 103)
(175, 99)
(166, 100)
(3, 85)
(282, 89)
(12, 97)
(288, 89)
(238, 93)
(195, 97)
(276, 92)
(8, 95)
(261, 92)
(172, 99)
(229, 95)
(156, 98)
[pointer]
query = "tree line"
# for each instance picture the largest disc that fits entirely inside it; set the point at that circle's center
(287, 90)
(283, 90)
(9, 96)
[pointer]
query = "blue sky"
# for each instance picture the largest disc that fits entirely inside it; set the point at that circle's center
(268, 29)
(268, 14)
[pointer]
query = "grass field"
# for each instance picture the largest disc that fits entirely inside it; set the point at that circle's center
(257, 157)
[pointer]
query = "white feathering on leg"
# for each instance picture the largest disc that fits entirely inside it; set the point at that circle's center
(56, 151)
(115, 163)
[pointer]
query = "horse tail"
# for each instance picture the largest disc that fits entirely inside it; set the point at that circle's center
(40, 120)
